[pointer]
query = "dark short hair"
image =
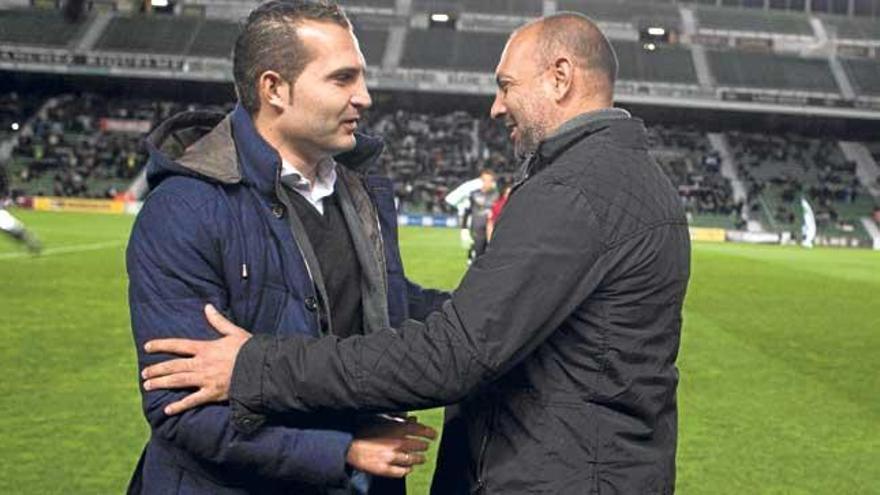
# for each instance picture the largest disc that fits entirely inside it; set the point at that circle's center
(581, 36)
(268, 41)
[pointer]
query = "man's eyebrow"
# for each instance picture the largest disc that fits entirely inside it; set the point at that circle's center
(348, 71)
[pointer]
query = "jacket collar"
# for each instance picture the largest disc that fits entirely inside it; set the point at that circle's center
(205, 144)
(625, 129)
(260, 163)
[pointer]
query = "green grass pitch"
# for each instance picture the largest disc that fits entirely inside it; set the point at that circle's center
(779, 364)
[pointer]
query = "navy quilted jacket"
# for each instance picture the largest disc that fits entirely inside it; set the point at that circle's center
(213, 230)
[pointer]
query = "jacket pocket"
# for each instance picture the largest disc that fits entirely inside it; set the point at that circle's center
(547, 444)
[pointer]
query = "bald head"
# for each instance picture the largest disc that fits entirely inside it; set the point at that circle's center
(576, 36)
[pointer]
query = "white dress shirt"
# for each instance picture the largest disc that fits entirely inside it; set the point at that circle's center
(325, 182)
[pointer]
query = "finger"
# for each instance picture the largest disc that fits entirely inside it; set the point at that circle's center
(407, 459)
(396, 471)
(183, 347)
(221, 324)
(414, 445)
(190, 401)
(179, 380)
(167, 368)
(420, 430)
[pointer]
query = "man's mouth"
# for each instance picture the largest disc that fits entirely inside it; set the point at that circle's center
(351, 124)
(511, 128)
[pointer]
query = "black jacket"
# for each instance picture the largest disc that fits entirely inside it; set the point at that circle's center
(560, 343)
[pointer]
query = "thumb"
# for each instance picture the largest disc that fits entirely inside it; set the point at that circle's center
(221, 324)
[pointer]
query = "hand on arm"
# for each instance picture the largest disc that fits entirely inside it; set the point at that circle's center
(208, 367)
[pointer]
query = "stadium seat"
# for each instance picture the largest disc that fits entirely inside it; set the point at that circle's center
(764, 70)
(665, 63)
(39, 28)
(166, 35)
(864, 75)
(447, 49)
(753, 20)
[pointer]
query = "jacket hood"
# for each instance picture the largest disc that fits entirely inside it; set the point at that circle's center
(201, 144)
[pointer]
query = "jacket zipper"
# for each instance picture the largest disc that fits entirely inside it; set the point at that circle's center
(484, 445)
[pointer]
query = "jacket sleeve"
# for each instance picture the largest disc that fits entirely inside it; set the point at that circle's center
(421, 301)
(545, 259)
(174, 265)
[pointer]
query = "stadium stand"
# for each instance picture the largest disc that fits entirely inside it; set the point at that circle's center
(215, 39)
(663, 64)
(70, 151)
(636, 13)
(448, 49)
(522, 8)
(37, 27)
(779, 169)
(154, 34)
(15, 109)
(199, 37)
(763, 70)
(874, 149)
(383, 4)
(725, 19)
(428, 155)
(373, 45)
(848, 28)
(694, 168)
(864, 76)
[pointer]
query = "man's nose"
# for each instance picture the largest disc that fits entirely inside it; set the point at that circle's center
(361, 98)
(498, 109)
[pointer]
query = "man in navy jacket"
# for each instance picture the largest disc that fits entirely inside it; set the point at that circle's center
(222, 226)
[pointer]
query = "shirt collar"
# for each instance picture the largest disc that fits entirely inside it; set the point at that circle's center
(325, 177)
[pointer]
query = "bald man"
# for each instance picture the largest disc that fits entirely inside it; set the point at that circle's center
(558, 346)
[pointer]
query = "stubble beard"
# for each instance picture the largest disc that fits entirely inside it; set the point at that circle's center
(530, 138)
(533, 131)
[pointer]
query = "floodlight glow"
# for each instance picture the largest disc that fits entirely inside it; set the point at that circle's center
(656, 31)
(650, 47)
(15, 126)
(159, 3)
(440, 17)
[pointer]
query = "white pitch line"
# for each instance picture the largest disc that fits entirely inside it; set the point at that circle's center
(76, 248)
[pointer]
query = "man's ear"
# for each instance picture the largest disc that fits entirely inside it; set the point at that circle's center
(562, 72)
(274, 91)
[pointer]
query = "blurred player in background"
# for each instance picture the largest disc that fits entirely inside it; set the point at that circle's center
(477, 214)
(12, 226)
(473, 200)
